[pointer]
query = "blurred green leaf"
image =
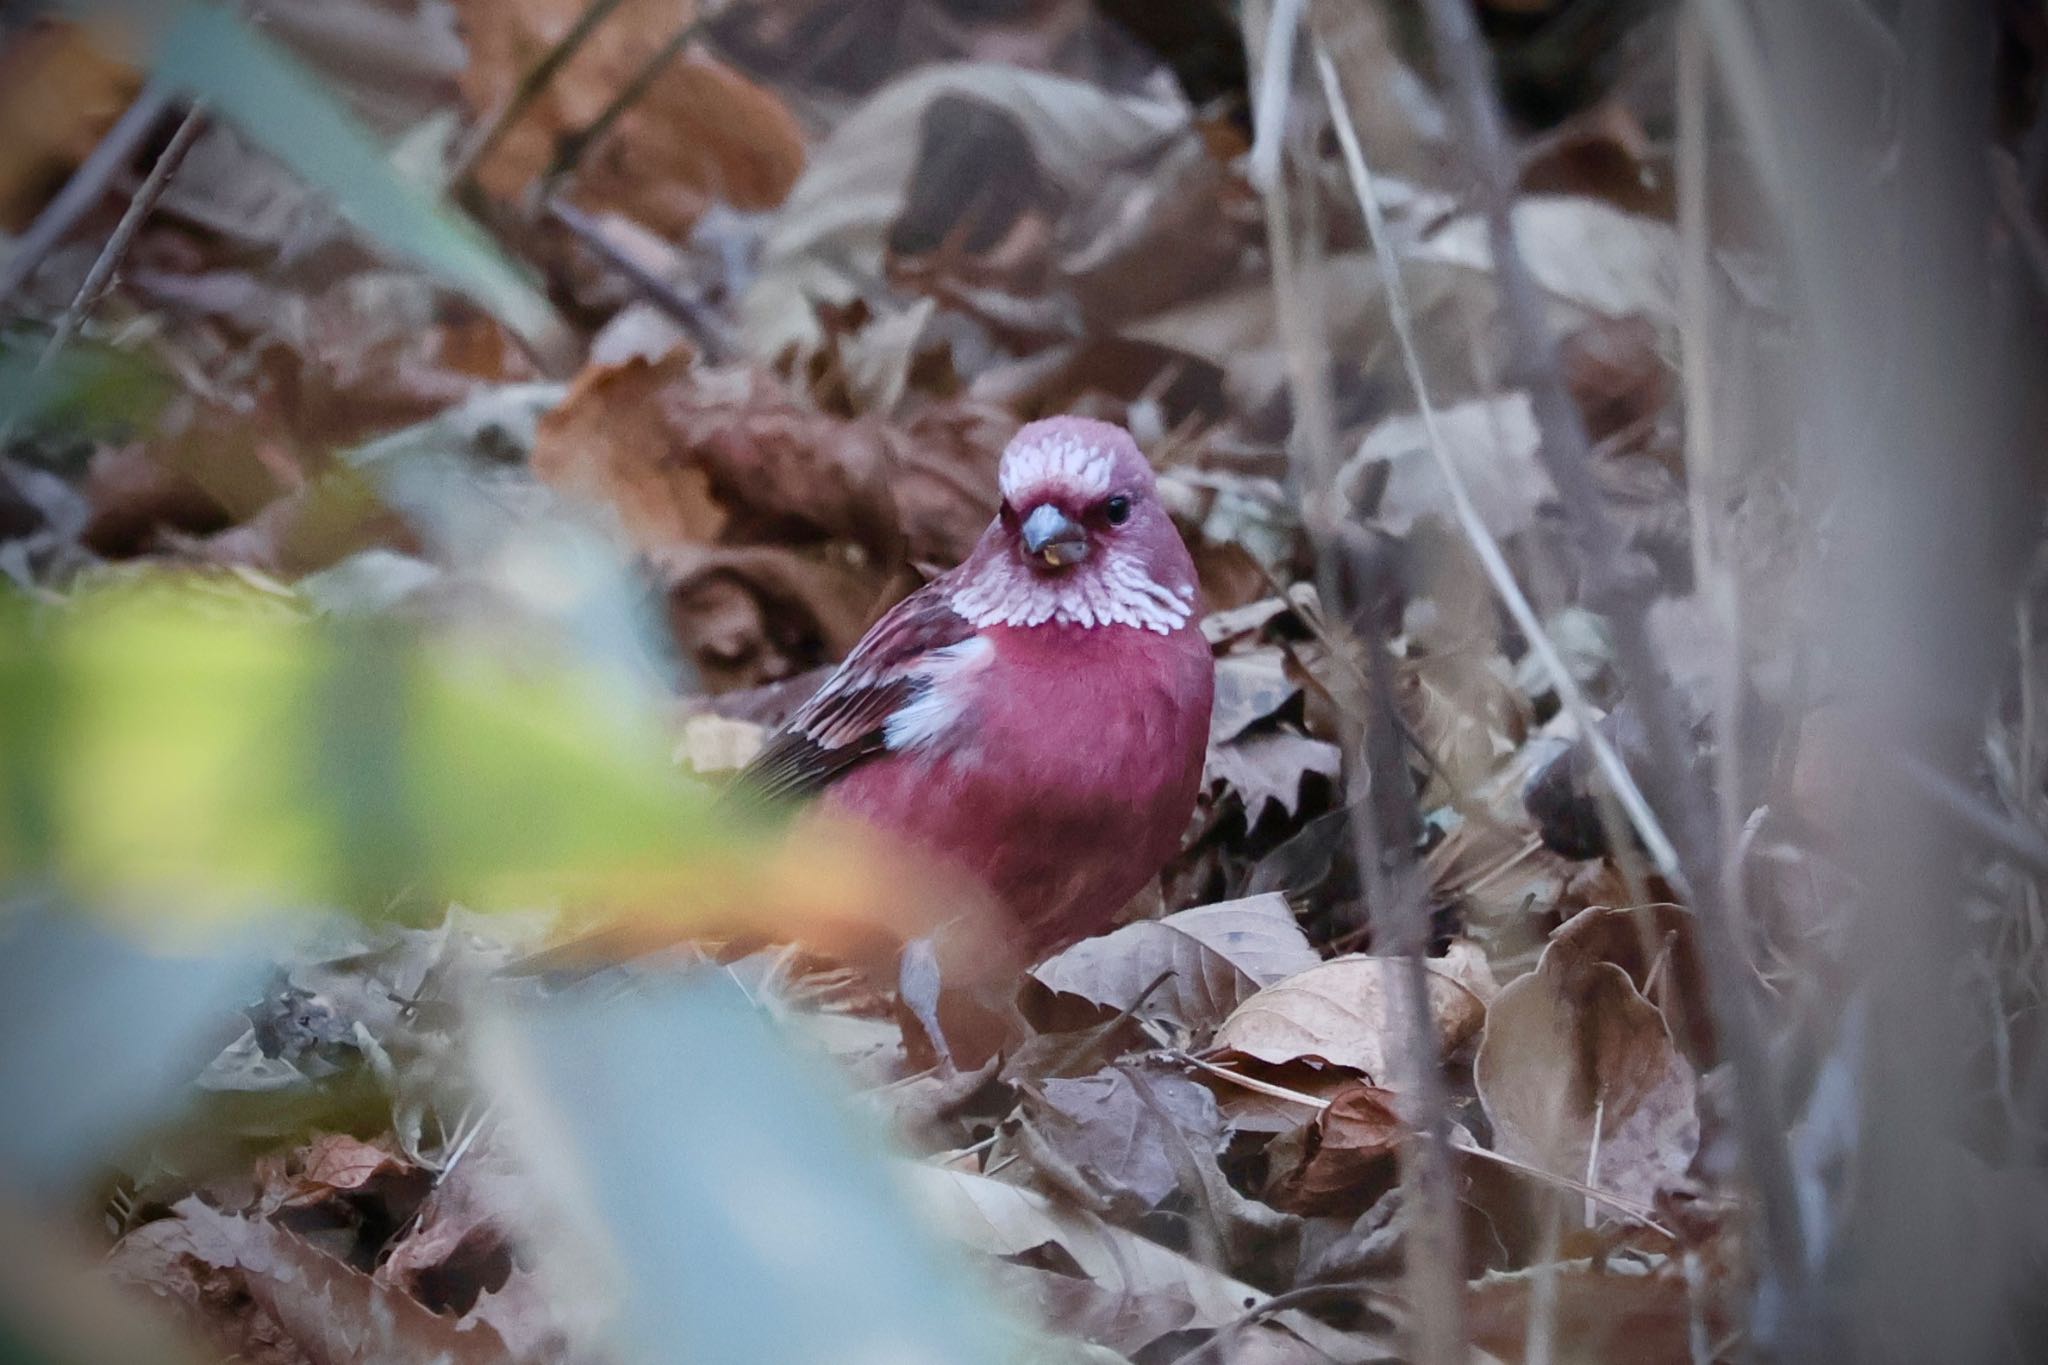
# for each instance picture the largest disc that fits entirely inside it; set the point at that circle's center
(272, 99)
(103, 1038)
(84, 389)
(752, 1219)
(192, 753)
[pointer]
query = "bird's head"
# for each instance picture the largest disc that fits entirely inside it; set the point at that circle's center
(1081, 538)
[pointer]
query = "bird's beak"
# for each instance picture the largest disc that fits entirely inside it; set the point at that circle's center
(1053, 536)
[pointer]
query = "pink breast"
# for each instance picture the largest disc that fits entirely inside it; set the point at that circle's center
(1069, 780)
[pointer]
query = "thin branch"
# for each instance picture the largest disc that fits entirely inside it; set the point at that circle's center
(576, 144)
(691, 316)
(1963, 809)
(85, 187)
(116, 250)
(1385, 840)
(535, 79)
(111, 255)
(1488, 550)
(1618, 589)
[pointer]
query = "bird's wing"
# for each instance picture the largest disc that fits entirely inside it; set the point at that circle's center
(870, 704)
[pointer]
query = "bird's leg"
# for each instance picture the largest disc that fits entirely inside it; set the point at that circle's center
(919, 986)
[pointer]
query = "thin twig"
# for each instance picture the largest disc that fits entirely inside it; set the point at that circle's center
(1952, 799)
(85, 187)
(116, 249)
(1618, 589)
(532, 82)
(1384, 843)
(1488, 550)
(581, 141)
(691, 316)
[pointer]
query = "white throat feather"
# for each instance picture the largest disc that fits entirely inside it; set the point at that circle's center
(1112, 591)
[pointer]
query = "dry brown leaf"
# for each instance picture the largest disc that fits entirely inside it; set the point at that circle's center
(701, 133)
(1342, 1160)
(329, 1313)
(1579, 1076)
(1343, 1013)
(692, 454)
(830, 238)
(336, 1161)
(1018, 1224)
(1214, 957)
(609, 440)
(1601, 1315)
(1658, 946)
(1246, 1110)
(1076, 1306)
(758, 614)
(1132, 1131)
(59, 93)
(163, 1260)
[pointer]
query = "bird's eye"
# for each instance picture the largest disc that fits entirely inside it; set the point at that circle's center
(1117, 509)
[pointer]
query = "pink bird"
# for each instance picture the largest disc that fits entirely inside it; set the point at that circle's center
(1037, 717)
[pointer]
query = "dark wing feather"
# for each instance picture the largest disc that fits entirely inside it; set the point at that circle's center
(842, 725)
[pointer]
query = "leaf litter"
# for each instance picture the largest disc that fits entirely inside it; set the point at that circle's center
(1193, 1149)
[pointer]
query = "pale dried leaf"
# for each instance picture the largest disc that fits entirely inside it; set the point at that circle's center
(1250, 687)
(1575, 1057)
(1491, 442)
(718, 744)
(1601, 1313)
(1587, 253)
(1004, 1220)
(1345, 1013)
(1214, 957)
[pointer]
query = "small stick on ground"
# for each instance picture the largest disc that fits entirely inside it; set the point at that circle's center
(116, 250)
(577, 143)
(688, 314)
(1385, 839)
(532, 82)
(1618, 589)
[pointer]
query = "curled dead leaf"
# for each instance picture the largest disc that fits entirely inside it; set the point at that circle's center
(1579, 1076)
(1341, 1161)
(1345, 1013)
(1212, 959)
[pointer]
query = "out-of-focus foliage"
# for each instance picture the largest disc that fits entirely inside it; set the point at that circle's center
(510, 409)
(177, 751)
